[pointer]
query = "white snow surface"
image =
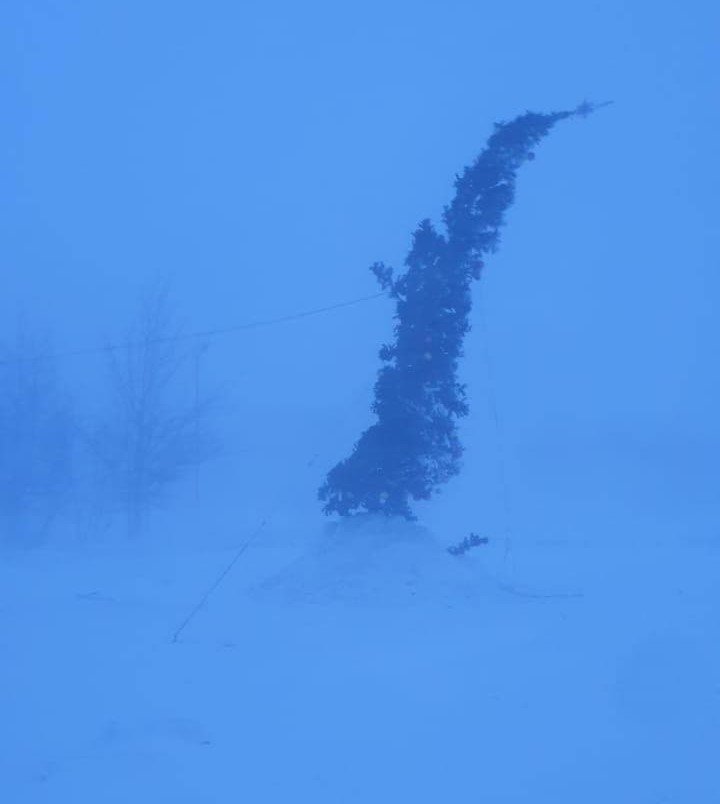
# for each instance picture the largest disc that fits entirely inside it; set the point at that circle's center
(376, 562)
(362, 663)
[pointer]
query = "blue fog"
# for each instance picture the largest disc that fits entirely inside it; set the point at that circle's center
(253, 160)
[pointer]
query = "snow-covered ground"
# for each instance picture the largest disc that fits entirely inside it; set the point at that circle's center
(363, 664)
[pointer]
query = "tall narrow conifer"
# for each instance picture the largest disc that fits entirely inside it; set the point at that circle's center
(413, 447)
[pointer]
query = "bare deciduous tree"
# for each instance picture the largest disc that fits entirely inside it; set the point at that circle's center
(155, 429)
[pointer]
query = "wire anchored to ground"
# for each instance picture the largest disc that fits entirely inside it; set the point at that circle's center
(220, 578)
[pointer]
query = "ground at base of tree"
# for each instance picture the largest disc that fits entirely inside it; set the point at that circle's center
(501, 697)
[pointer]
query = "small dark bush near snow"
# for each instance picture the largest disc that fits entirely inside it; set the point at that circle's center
(473, 540)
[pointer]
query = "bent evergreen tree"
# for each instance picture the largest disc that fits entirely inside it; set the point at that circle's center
(413, 447)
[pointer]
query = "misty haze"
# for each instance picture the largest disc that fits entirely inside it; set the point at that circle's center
(358, 403)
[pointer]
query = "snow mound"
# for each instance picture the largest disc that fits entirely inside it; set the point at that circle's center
(373, 560)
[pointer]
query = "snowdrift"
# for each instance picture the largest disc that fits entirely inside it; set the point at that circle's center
(375, 560)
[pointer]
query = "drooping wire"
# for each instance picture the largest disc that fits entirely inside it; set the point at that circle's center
(190, 336)
(500, 445)
(507, 581)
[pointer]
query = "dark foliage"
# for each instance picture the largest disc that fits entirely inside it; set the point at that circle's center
(413, 447)
(473, 540)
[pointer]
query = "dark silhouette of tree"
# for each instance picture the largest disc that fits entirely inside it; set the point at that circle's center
(413, 447)
(36, 439)
(153, 433)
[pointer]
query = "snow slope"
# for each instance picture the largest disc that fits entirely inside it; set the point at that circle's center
(347, 670)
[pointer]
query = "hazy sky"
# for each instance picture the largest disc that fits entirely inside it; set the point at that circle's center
(265, 154)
